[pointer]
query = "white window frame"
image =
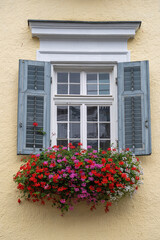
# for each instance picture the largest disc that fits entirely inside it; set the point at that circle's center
(85, 100)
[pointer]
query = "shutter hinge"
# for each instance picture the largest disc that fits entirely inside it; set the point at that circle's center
(20, 124)
(116, 82)
(51, 80)
(50, 142)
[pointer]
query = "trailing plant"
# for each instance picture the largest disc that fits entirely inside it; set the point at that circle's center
(65, 176)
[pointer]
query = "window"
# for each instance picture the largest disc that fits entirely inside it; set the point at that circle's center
(84, 102)
(84, 88)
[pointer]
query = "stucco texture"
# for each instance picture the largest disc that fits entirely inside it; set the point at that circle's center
(137, 218)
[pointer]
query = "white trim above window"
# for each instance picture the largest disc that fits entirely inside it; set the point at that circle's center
(66, 41)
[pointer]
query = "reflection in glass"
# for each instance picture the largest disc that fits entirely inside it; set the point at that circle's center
(62, 130)
(104, 144)
(62, 89)
(93, 144)
(62, 113)
(91, 77)
(74, 113)
(92, 130)
(74, 77)
(104, 114)
(91, 89)
(74, 89)
(74, 130)
(104, 89)
(62, 77)
(104, 130)
(92, 113)
(62, 143)
(103, 77)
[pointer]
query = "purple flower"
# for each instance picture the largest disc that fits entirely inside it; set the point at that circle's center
(76, 161)
(50, 176)
(102, 201)
(72, 175)
(76, 189)
(91, 178)
(89, 146)
(90, 173)
(64, 148)
(83, 184)
(49, 148)
(59, 160)
(64, 175)
(73, 157)
(94, 151)
(37, 155)
(62, 200)
(45, 163)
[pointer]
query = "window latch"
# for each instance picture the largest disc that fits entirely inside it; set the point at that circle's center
(146, 123)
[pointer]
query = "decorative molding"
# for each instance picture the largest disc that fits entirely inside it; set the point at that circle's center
(67, 41)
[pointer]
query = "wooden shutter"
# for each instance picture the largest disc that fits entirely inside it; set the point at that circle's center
(33, 106)
(134, 128)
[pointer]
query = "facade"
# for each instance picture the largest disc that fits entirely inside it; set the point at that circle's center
(85, 40)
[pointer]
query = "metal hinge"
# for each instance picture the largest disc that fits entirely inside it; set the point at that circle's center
(116, 82)
(50, 142)
(20, 124)
(51, 80)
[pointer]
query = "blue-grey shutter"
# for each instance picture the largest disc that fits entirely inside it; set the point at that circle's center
(134, 127)
(34, 100)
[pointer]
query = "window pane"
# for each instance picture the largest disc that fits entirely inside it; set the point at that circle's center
(92, 114)
(62, 130)
(62, 77)
(62, 89)
(104, 114)
(91, 89)
(104, 77)
(74, 113)
(91, 77)
(104, 144)
(104, 89)
(104, 130)
(75, 142)
(92, 130)
(74, 89)
(74, 77)
(62, 143)
(93, 144)
(74, 130)
(62, 113)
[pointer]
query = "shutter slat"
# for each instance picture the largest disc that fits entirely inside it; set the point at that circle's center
(134, 107)
(33, 106)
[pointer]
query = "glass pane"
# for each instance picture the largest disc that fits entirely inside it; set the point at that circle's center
(104, 77)
(74, 77)
(104, 114)
(74, 130)
(62, 89)
(104, 130)
(74, 113)
(91, 89)
(62, 77)
(92, 114)
(62, 113)
(74, 89)
(104, 144)
(62, 143)
(93, 144)
(104, 89)
(75, 142)
(62, 130)
(92, 130)
(91, 77)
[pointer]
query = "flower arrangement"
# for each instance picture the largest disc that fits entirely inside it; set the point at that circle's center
(66, 176)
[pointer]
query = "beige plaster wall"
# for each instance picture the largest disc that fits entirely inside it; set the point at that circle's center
(137, 218)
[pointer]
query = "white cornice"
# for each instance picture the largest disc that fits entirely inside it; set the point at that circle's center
(56, 29)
